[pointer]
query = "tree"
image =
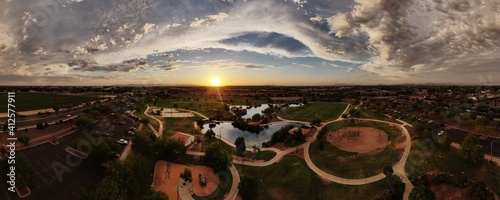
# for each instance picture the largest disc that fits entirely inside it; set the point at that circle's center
(240, 145)
(216, 156)
(248, 187)
(471, 150)
(169, 149)
(298, 136)
(344, 116)
(422, 193)
(83, 121)
(210, 134)
(478, 191)
(497, 124)
(156, 195)
(145, 121)
(187, 175)
(24, 139)
(3, 150)
(5, 126)
(39, 125)
(316, 122)
(102, 153)
(256, 117)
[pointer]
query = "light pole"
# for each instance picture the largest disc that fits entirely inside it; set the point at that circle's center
(220, 132)
(491, 149)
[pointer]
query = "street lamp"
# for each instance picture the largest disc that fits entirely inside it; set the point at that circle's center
(220, 132)
(491, 149)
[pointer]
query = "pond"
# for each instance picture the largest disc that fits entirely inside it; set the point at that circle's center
(252, 110)
(230, 133)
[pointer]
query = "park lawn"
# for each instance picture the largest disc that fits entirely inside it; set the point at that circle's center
(207, 108)
(34, 101)
(183, 124)
(325, 111)
(355, 165)
(425, 157)
(152, 121)
(265, 155)
(367, 113)
(291, 179)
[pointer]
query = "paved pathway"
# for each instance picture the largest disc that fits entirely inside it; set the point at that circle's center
(205, 117)
(399, 168)
(160, 130)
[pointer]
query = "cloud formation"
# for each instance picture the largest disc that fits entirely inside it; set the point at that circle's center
(408, 38)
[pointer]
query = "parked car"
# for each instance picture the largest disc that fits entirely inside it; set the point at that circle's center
(122, 141)
(130, 133)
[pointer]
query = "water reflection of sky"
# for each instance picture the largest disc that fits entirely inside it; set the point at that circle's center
(258, 110)
(230, 133)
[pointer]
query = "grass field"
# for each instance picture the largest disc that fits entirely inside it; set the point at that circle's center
(367, 113)
(184, 124)
(325, 111)
(353, 165)
(425, 157)
(207, 108)
(35, 101)
(292, 179)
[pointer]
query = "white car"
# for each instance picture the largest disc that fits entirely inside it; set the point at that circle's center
(122, 141)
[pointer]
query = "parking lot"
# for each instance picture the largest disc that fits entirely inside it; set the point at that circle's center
(458, 136)
(57, 174)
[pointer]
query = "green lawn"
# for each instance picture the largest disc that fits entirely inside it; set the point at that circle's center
(152, 121)
(207, 108)
(354, 165)
(367, 113)
(265, 155)
(34, 101)
(292, 179)
(325, 111)
(425, 157)
(184, 124)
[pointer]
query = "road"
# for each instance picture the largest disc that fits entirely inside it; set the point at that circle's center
(29, 123)
(80, 175)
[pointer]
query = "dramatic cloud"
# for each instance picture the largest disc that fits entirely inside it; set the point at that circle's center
(388, 41)
(418, 37)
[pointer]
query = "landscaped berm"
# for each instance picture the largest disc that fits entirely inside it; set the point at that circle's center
(358, 139)
(167, 175)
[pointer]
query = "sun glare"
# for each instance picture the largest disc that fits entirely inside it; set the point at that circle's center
(215, 81)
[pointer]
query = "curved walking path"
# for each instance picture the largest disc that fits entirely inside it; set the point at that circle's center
(399, 167)
(160, 129)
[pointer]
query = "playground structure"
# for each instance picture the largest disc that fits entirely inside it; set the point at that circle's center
(167, 179)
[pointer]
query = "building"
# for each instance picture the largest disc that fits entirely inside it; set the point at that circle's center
(184, 137)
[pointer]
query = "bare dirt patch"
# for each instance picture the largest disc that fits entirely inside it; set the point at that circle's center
(166, 178)
(358, 139)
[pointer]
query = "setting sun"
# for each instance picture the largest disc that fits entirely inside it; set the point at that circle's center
(215, 81)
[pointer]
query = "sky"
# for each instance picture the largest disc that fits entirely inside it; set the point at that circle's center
(249, 42)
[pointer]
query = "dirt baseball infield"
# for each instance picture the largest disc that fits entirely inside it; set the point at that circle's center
(358, 139)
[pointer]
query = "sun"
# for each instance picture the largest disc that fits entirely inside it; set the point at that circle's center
(215, 81)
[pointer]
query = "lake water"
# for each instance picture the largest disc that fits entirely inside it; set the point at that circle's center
(231, 133)
(258, 110)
